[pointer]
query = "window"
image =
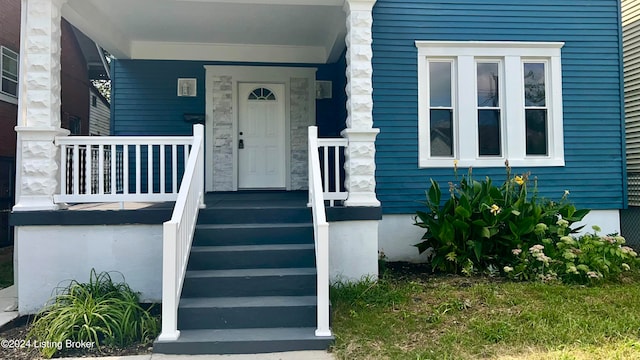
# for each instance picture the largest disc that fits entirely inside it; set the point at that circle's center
(482, 103)
(9, 65)
(94, 101)
(262, 94)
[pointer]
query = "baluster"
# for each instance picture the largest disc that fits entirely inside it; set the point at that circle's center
(174, 169)
(138, 169)
(100, 171)
(162, 169)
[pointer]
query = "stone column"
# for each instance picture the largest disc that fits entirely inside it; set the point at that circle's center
(37, 157)
(360, 156)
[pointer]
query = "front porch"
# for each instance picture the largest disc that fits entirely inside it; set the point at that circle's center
(58, 174)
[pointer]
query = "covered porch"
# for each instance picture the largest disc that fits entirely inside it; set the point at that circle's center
(243, 48)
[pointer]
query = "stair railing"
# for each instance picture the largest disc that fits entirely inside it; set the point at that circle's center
(321, 234)
(178, 233)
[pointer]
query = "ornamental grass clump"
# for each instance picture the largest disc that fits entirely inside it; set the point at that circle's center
(480, 223)
(100, 312)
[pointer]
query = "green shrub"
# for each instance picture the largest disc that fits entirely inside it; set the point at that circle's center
(100, 311)
(480, 223)
(559, 257)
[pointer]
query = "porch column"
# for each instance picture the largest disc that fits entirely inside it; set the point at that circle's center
(37, 158)
(360, 163)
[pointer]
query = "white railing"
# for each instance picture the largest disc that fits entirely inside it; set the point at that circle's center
(178, 235)
(121, 168)
(331, 159)
(321, 234)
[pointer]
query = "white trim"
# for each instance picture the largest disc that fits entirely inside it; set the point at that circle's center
(9, 99)
(274, 2)
(155, 50)
(511, 56)
(253, 74)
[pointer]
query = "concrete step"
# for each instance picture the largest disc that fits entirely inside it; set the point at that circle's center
(253, 234)
(247, 312)
(252, 256)
(254, 215)
(250, 282)
(243, 341)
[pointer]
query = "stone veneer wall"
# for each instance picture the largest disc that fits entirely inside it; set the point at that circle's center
(222, 133)
(299, 121)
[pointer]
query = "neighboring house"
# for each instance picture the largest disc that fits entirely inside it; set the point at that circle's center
(427, 82)
(74, 109)
(99, 113)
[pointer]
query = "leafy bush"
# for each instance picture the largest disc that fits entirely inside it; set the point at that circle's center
(584, 259)
(100, 311)
(480, 223)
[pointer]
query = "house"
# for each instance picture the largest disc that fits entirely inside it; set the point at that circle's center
(398, 90)
(76, 60)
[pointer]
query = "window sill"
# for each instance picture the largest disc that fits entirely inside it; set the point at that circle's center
(486, 163)
(9, 99)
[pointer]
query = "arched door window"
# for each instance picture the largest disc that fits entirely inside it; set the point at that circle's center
(263, 94)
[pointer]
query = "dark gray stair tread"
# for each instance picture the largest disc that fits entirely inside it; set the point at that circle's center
(251, 301)
(253, 226)
(267, 247)
(250, 272)
(240, 335)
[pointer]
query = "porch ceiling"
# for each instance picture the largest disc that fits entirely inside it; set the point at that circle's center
(309, 31)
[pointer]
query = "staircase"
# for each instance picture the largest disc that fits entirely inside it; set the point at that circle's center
(250, 285)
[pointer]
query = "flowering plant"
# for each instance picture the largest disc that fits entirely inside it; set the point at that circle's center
(481, 223)
(560, 257)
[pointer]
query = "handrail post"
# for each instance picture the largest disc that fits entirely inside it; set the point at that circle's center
(169, 330)
(321, 235)
(198, 132)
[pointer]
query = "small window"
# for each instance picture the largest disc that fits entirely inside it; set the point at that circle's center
(262, 94)
(74, 125)
(484, 102)
(9, 65)
(94, 101)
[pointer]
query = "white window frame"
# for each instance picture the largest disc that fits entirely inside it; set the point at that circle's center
(512, 56)
(4, 96)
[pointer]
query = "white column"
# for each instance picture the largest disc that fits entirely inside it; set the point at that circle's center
(360, 155)
(37, 158)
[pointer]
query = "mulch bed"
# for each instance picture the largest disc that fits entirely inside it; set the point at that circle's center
(17, 330)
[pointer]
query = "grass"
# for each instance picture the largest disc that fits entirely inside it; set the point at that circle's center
(446, 317)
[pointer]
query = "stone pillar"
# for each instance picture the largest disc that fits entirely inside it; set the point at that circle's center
(37, 157)
(360, 163)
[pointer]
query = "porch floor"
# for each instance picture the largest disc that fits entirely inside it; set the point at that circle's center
(256, 199)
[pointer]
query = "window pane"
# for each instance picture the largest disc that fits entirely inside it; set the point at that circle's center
(534, 84)
(9, 65)
(488, 85)
(441, 132)
(489, 133)
(536, 122)
(10, 87)
(440, 84)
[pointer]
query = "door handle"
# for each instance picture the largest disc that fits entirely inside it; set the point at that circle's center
(241, 144)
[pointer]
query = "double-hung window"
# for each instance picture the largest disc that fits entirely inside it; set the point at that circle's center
(482, 103)
(9, 75)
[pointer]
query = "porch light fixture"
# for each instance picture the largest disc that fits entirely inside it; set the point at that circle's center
(323, 89)
(187, 87)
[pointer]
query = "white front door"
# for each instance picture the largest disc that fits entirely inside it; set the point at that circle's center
(261, 136)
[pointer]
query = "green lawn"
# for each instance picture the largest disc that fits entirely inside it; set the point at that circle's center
(445, 317)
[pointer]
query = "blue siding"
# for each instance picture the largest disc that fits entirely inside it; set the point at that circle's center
(591, 87)
(145, 101)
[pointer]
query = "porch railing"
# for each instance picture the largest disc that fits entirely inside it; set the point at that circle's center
(178, 235)
(321, 234)
(331, 152)
(121, 168)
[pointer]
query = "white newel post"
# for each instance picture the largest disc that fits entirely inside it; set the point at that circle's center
(37, 158)
(360, 155)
